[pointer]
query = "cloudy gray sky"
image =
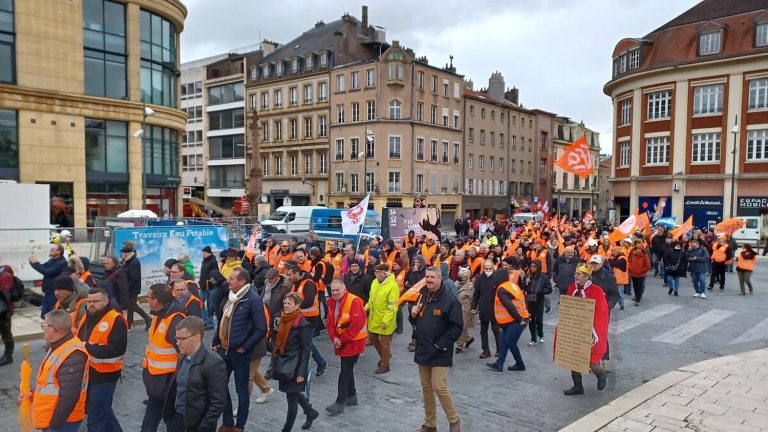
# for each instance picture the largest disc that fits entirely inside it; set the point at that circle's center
(557, 52)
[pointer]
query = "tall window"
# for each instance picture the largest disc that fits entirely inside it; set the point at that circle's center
(322, 90)
(294, 132)
(445, 116)
(161, 151)
(278, 98)
(308, 164)
(761, 34)
(708, 99)
(339, 149)
(706, 148)
(340, 113)
(709, 43)
(355, 111)
(394, 147)
(491, 163)
(294, 165)
(456, 119)
(9, 139)
(456, 149)
(445, 151)
(7, 43)
(339, 182)
(470, 161)
(420, 149)
(323, 163)
(355, 85)
(354, 183)
(624, 154)
(307, 127)
(757, 145)
(394, 110)
(370, 148)
(626, 112)
(420, 111)
(657, 151)
(758, 94)
(370, 78)
(293, 95)
(278, 165)
(308, 94)
(394, 182)
(370, 180)
(323, 126)
(433, 150)
(158, 60)
(420, 80)
(264, 100)
(565, 179)
(481, 162)
(370, 108)
(340, 83)
(433, 114)
(278, 130)
(419, 183)
(264, 131)
(265, 166)
(104, 50)
(354, 148)
(659, 105)
(634, 59)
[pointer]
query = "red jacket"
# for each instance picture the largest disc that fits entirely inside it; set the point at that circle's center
(358, 318)
(6, 285)
(638, 263)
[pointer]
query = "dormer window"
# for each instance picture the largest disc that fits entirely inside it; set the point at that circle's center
(709, 43)
(279, 68)
(761, 34)
(323, 59)
(254, 73)
(309, 63)
(294, 65)
(634, 59)
(265, 71)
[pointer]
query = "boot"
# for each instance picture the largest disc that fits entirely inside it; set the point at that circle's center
(7, 359)
(312, 414)
(601, 374)
(577, 389)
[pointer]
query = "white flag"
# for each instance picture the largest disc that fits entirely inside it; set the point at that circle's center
(545, 207)
(352, 219)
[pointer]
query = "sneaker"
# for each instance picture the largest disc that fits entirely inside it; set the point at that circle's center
(676, 295)
(515, 367)
(335, 409)
(703, 295)
(697, 295)
(541, 341)
(621, 307)
(6, 360)
(709, 288)
(264, 396)
(548, 309)
(321, 369)
(670, 291)
(494, 367)
(532, 343)
(722, 289)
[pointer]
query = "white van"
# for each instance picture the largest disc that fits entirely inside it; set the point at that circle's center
(289, 220)
(751, 232)
(527, 217)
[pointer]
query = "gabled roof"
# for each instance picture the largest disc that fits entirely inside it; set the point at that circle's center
(713, 9)
(321, 36)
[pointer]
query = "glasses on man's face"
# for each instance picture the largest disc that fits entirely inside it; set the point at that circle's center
(183, 338)
(43, 326)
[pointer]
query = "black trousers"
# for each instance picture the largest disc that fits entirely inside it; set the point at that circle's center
(484, 335)
(347, 379)
(294, 400)
(536, 326)
(133, 306)
(638, 286)
(5, 333)
(718, 275)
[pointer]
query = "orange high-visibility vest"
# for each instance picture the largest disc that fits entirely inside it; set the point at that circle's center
(306, 266)
(400, 279)
(74, 313)
(335, 261)
(84, 277)
(514, 276)
(501, 313)
(622, 277)
(268, 317)
(719, 253)
(448, 260)
(344, 318)
(280, 261)
(320, 284)
(475, 264)
(313, 310)
(46, 396)
(746, 264)
(542, 256)
(408, 243)
(160, 356)
(193, 298)
(272, 255)
(390, 259)
(428, 253)
(100, 336)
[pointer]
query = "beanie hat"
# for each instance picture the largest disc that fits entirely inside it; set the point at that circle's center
(169, 263)
(207, 249)
(375, 253)
(64, 283)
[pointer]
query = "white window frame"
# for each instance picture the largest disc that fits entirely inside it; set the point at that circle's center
(710, 42)
(625, 153)
(370, 110)
(758, 94)
(395, 146)
(354, 148)
(355, 111)
(322, 91)
(340, 118)
(354, 182)
(309, 63)
(456, 152)
(339, 182)
(757, 145)
(265, 165)
(294, 124)
(634, 59)
(394, 182)
(445, 156)
(323, 59)
(456, 90)
(708, 99)
(278, 96)
(294, 164)
(307, 93)
(761, 34)
(433, 150)
(308, 127)
(294, 96)
(355, 84)
(323, 163)
(278, 165)
(481, 162)
(278, 130)
(657, 151)
(419, 183)
(706, 148)
(370, 78)
(470, 161)
(395, 109)
(279, 68)
(322, 125)
(626, 112)
(308, 163)
(420, 155)
(659, 105)
(456, 123)
(340, 82)
(339, 149)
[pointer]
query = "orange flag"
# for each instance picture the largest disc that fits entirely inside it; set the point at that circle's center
(577, 159)
(682, 229)
(413, 293)
(624, 230)
(643, 223)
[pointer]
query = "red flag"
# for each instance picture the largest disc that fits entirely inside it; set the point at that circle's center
(682, 229)
(577, 159)
(624, 230)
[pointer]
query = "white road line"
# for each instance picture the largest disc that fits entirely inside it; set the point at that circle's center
(757, 332)
(683, 332)
(643, 317)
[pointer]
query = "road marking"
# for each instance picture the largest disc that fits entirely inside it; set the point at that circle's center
(683, 332)
(757, 332)
(643, 317)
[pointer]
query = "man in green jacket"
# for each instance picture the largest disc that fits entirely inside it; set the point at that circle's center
(382, 313)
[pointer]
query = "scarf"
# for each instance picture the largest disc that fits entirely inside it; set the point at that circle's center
(286, 323)
(234, 298)
(581, 290)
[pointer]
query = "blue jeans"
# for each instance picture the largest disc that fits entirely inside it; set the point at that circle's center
(47, 305)
(209, 298)
(101, 417)
(699, 282)
(68, 427)
(153, 415)
(622, 289)
(673, 282)
(316, 356)
(240, 364)
(627, 289)
(508, 341)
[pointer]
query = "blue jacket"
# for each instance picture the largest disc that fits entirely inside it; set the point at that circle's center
(248, 324)
(698, 260)
(50, 270)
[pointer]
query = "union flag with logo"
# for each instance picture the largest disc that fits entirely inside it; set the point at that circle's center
(577, 159)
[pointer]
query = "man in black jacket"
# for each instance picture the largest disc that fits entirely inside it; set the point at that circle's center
(482, 302)
(207, 289)
(132, 270)
(438, 324)
(105, 333)
(50, 270)
(260, 268)
(199, 391)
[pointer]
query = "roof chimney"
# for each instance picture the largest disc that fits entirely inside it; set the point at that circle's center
(365, 17)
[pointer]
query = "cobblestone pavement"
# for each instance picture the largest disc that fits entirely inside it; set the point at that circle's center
(663, 334)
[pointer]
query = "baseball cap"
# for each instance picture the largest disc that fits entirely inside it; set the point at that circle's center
(596, 259)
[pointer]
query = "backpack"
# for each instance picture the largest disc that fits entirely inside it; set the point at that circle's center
(17, 293)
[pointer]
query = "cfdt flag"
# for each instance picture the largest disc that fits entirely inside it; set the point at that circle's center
(577, 159)
(624, 230)
(352, 219)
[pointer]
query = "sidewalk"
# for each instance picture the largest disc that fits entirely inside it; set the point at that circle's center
(722, 394)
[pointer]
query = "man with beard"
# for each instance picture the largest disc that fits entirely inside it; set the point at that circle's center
(105, 333)
(358, 282)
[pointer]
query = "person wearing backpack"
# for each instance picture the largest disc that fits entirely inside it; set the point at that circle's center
(8, 291)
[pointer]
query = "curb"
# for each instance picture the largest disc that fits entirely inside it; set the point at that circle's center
(623, 404)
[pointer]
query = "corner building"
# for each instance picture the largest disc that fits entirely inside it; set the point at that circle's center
(685, 97)
(73, 76)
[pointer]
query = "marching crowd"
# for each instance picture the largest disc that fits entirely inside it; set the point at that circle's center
(266, 306)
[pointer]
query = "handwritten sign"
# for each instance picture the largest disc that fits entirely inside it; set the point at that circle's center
(574, 333)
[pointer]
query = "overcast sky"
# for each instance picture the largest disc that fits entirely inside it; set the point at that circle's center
(557, 52)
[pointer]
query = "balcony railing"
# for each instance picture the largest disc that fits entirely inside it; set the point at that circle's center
(226, 184)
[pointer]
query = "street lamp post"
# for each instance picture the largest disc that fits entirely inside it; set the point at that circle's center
(369, 141)
(735, 132)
